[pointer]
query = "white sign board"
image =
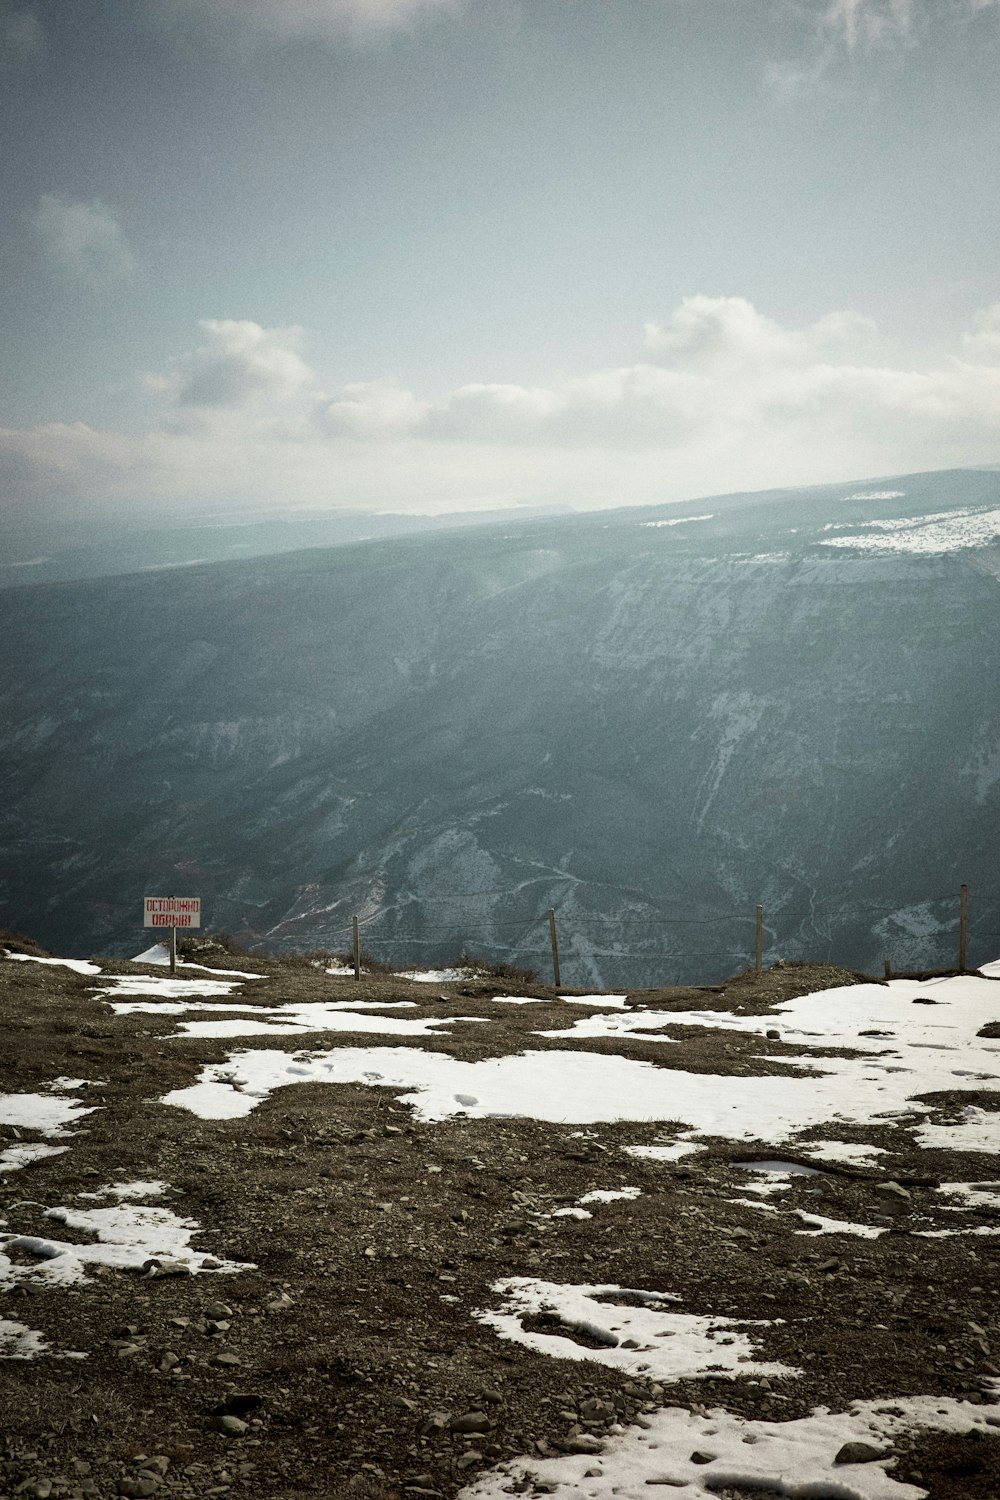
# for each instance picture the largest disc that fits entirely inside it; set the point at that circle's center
(171, 911)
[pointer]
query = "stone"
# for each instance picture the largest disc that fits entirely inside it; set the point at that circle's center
(279, 1303)
(596, 1409)
(471, 1421)
(893, 1190)
(163, 1266)
(582, 1442)
(860, 1453)
(227, 1359)
(139, 1487)
(217, 1310)
(698, 1457)
(232, 1426)
(158, 1464)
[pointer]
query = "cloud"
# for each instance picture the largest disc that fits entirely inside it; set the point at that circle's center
(872, 22)
(727, 332)
(823, 35)
(724, 397)
(328, 19)
(240, 364)
(81, 239)
(372, 409)
(984, 344)
(21, 36)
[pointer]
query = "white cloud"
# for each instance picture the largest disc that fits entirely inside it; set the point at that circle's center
(372, 409)
(314, 18)
(726, 398)
(829, 32)
(239, 364)
(716, 333)
(21, 36)
(81, 239)
(873, 22)
(984, 344)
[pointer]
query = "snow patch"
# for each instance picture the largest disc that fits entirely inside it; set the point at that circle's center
(16, 1157)
(619, 1025)
(126, 1236)
(48, 1113)
(647, 1340)
(794, 1459)
(78, 965)
(20, 1342)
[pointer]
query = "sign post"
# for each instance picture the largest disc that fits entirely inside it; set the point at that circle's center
(172, 912)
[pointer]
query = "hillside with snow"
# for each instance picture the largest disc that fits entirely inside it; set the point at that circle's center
(269, 1230)
(649, 720)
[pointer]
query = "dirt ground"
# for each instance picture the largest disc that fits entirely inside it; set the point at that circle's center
(338, 1353)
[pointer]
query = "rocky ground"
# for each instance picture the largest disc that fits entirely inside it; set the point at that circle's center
(346, 1359)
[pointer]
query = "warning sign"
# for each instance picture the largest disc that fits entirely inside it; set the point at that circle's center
(171, 911)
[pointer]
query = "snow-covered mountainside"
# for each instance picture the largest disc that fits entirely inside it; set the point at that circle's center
(383, 1238)
(650, 720)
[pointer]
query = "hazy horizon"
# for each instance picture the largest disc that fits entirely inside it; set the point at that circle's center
(443, 256)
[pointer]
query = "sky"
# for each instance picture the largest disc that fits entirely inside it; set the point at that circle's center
(447, 255)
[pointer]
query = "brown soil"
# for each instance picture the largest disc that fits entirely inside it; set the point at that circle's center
(366, 1220)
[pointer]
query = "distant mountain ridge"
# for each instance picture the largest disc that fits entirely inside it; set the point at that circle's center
(788, 699)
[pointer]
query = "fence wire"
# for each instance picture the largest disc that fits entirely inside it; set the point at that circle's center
(398, 930)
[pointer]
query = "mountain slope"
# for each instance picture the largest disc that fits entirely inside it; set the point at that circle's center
(649, 726)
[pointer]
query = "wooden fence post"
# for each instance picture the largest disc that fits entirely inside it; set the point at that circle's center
(759, 941)
(963, 927)
(173, 949)
(555, 946)
(888, 968)
(357, 948)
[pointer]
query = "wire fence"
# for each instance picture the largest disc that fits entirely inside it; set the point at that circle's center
(664, 945)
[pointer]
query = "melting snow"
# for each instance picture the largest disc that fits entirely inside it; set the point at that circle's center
(127, 1236)
(165, 988)
(619, 1025)
(291, 1019)
(48, 1113)
(647, 1339)
(848, 1152)
(979, 1131)
(948, 531)
(610, 1195)
(972, 1195)
(672, 1152)
(432, 976)
(609, 1002)
(903, 1050)
(78, 965)
(20, 1342)
(794, 1459)
(15, 1157)
(676, 521)
(158, 954)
